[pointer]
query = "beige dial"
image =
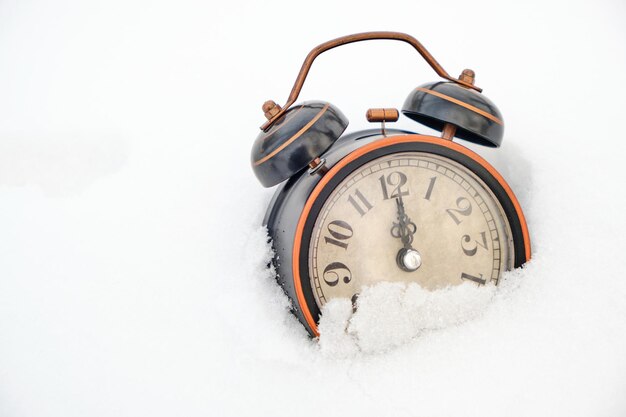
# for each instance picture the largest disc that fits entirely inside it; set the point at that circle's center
(409, 217)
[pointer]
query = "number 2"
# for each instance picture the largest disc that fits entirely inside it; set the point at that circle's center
(464, 209)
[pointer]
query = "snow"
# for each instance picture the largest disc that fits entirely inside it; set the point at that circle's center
(391, 314)
(133, 275)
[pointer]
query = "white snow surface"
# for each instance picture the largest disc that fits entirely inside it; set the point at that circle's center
(133, 276)
(391, 314)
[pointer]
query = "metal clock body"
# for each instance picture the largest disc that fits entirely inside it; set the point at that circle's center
(332, 236)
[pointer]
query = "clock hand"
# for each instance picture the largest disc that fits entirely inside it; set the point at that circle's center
(405, 228)
(408, 259)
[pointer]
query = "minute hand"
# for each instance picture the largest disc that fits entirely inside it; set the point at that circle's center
(405, 228)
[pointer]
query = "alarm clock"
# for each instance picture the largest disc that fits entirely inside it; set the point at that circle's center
(385, 204)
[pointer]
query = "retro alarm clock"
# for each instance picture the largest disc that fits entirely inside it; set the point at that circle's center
(386, 204)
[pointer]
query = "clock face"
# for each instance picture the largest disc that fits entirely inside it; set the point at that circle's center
(408, 217)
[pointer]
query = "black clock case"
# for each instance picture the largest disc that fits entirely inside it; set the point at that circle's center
(287, 204)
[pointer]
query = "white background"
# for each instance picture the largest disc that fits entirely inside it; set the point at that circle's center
(132, 277)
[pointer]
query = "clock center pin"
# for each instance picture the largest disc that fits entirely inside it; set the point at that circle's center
(409, 260)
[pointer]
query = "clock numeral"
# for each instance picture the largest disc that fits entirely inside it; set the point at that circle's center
(339, 230)
(472, 251)
(363, 206)
(395, 179)
(354, 300)
(479, 280)
(464, 209)
(431, 185)
(336, 271)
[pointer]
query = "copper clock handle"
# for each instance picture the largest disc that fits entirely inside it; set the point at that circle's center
(344, 40)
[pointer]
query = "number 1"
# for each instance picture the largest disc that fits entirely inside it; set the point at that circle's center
(431, 185)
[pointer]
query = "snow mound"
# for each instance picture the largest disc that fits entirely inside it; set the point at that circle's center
(388, 315)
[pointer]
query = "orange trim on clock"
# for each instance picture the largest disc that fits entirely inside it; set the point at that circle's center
(357, 154)
(462, 104)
